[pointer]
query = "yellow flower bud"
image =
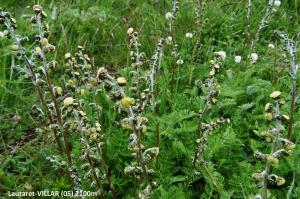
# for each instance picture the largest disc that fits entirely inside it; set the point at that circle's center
(59, 90)
(217, 66)
(126, 126)
(73, 126)
(67, 55)
(44, 42)
(280, 181)
(212, 73)
(121, 81)
(144, 129)
(38, 50)
(271, 159)
(269, 116)
(285, 117)
(126, 102)
(88, 66)
(212, 62)
(275, 94)
(94, 136)
(135, 149)
(290, 147)
(68, 101)
(82, 91)
(14, 47)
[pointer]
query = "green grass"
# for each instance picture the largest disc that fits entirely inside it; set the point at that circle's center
(101, 25)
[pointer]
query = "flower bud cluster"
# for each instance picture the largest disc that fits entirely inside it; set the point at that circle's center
(136, 124)
(280, 146)
(136, 55)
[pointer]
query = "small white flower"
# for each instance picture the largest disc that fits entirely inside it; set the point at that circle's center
(253, 57)
(237, 59)
(277, 3)
(169, 16)
(189, 35)
(169, 40)
(271, 46)
(221, 54)
(1, 34)
(179, 62)
(130, 31)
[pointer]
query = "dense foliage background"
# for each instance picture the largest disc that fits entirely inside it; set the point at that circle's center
(101, 26)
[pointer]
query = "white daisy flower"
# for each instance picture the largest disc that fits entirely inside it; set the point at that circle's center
(237, 59)
(189, 35)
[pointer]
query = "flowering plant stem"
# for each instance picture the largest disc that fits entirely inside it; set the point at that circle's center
(292, 110)
(274, 148)
(50, 88)
(35, 82)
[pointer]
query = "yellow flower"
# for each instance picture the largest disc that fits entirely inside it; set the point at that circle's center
(212, 73)
(290, 146)
(275, 94)
(59, 90)
(271, 159)
(88, 66)
(14, 47)
(144, 129)
(269, 116)
(280, 181)
(126, 126)
(67, 55)
(126, 102)
(68, 101)
(44, 42)
(121, 81)
(82, 91)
